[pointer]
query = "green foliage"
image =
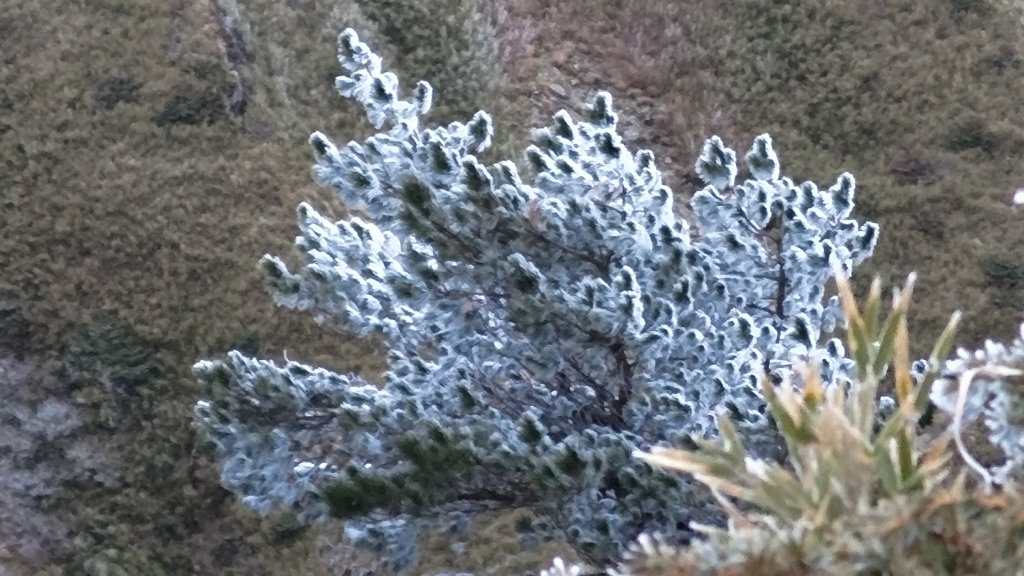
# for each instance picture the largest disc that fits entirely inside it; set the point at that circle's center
(570, 463)
(1003, 277)
(191, 109)
(359, 494)
(1003, 273)
(434, 460)
(109, 349)
(434, 464)
(116, 90)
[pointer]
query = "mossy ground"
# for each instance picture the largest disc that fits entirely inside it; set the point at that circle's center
(129, 187)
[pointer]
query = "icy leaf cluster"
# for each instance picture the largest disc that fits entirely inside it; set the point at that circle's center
(542, 326)
(989, 384)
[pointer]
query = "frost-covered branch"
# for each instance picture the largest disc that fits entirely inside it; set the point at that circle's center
(541, 327)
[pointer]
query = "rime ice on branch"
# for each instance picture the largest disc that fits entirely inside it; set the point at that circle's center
(985, 384)
(542, 327)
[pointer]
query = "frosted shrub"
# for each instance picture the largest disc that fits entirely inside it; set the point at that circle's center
(542, 327)
(986, 384)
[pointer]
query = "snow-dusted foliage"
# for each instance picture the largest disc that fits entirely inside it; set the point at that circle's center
(542, 327)
(987, 384)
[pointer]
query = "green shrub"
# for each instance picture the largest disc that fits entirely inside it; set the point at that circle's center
(191, 108)
(116, 90)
